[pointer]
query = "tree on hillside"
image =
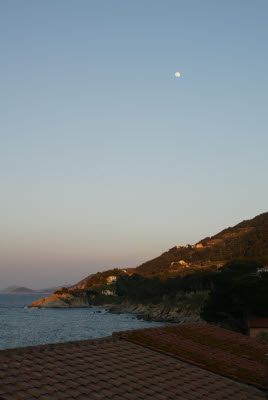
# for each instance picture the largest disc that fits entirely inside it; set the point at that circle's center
(238, 292)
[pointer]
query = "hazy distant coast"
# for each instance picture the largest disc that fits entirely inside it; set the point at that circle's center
(26, 290)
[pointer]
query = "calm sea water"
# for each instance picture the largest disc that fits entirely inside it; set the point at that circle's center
(22, 326)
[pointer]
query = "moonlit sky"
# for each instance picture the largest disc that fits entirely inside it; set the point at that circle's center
(106, 158)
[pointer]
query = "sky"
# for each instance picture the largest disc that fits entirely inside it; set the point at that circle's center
(107, 159)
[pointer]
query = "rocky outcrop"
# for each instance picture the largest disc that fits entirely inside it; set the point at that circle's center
(62, 301)
(186, 308)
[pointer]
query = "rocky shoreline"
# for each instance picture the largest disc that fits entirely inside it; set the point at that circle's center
(158, 312)
(186, 309)
(61, 301)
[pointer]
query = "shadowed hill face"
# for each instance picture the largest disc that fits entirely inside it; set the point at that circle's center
(247, 239)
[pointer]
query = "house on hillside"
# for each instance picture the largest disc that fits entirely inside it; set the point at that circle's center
(111, 279)
(108, 292)
(262, 270)
(180, 264)
(199, 245)
(257, 326)
(184, 263)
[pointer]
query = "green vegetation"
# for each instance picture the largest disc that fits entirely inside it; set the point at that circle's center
(62, 290)
(93, 297)
(100, 279)
(238, 292)
(247, 239)
(235, 289)
(139, 289)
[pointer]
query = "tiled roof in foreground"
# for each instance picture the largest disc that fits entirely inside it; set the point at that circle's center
(110, 368)
(219, 350)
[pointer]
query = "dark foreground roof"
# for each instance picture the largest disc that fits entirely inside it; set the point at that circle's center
(110, 368)
(219, 350)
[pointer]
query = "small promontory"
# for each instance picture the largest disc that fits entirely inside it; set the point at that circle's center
(65, 300)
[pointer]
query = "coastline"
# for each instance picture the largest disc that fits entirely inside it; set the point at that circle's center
(187, 308)
(22, 326)
(157, 312)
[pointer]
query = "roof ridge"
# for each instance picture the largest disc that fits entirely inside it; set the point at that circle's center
(51, 346)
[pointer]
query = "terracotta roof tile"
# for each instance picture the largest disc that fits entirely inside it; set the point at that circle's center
(109, 368)
(218, 350)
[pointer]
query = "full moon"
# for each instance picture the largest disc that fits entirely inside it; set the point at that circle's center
(177, 74)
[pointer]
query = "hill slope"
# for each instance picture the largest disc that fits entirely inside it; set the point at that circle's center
(246, 239)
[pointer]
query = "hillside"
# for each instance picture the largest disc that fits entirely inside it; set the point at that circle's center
(235, 258)
(246, 239)
(81, 284)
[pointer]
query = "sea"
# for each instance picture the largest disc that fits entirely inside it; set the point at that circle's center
(22, 326)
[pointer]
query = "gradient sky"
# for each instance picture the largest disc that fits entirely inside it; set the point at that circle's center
(107, 159)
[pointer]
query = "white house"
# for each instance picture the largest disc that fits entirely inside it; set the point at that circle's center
(108, 292)
(262, 270)
(179, 263)
(184, 263)
(111, 279)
